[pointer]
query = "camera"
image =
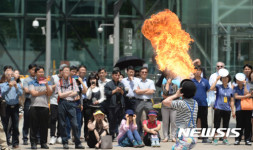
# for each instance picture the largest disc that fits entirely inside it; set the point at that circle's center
(93, 82)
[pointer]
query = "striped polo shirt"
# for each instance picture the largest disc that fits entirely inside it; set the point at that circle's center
(184, 113)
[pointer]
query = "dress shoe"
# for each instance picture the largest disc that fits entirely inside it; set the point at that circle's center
(44, 146)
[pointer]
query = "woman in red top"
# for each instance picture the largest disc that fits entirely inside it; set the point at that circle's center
(151, 128)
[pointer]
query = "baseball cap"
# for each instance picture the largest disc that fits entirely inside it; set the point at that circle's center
(62, 66)
(152, 113)
(98, 112)
(240, 77)
(130, 112)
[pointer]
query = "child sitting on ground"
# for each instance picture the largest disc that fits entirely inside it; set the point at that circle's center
(128, 134)
(151, 128)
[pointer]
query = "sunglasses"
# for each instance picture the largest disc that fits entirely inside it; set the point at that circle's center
(220, 66)
(144, 72)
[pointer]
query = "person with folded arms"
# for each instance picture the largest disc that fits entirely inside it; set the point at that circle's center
(39, 89)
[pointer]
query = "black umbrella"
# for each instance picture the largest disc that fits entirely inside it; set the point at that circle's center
(126, 61)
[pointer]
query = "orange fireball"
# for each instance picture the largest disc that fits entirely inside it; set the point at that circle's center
(170, 41)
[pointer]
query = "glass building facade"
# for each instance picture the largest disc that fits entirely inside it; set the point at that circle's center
(222, 31)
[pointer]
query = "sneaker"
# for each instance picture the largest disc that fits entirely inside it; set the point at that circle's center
(153, 144)
(70, 142)
(65, 146)
(157, 143)
(33, 146)
(25, 142)
(135, 144)
(237, 143)
(206, 141)
(215, 142)
(79, 146)
(140, 144)
(52, 140)
(59, 140)
(247, 143)
(225, 142)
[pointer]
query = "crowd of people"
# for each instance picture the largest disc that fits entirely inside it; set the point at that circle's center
(70, 101)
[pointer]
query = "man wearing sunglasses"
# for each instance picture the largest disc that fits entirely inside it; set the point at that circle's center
(144, 89)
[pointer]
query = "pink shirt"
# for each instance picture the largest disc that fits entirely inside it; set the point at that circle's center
(124, 128)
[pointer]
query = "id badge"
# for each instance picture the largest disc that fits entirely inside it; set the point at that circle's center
(225, 99)
(154, 136)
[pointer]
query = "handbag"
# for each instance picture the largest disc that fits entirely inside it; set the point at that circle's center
(106, 142)
(247, 104)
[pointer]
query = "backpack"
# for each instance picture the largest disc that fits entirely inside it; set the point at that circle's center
(61, 84)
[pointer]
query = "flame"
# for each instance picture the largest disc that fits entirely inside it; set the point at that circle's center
(170, 42)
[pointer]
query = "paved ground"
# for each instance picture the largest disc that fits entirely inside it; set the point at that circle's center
(164, 146)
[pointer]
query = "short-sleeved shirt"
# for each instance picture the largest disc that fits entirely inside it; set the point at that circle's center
(144, 84)
(150, 124)
(53, 99)
(26, 85)
(239, 92)
(39, 101)
(183, 112)
(200, 95)
(221, 93)
(67, 86)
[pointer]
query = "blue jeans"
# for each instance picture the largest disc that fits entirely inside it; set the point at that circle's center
(131, 135)
(79, 122)
(68, 109)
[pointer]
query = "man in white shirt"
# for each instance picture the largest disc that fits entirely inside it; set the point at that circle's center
(129, 83)
(102, 73)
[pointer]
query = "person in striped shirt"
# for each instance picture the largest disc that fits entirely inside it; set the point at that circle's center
(187, 110)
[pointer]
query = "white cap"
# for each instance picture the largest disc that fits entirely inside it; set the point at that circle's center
(240, 77)
(223, 72)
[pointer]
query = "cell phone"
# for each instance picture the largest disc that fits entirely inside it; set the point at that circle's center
(12, 79)
(75, 77)
(41, 80)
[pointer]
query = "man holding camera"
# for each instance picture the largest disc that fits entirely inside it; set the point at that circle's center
(114, 92)
(11, 90)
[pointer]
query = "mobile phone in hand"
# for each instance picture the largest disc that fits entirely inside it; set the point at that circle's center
(12, 79)
(42, 80)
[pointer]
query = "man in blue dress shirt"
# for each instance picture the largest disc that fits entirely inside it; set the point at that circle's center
(11, 90)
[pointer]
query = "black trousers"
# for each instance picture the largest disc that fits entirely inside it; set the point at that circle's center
(91, 138)
(243, 121)
(202, 114)
(54, 120)
(39, 123)
(26, 119)
(225, 115)
(12, 112)
(130, 103)
(115, 115)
